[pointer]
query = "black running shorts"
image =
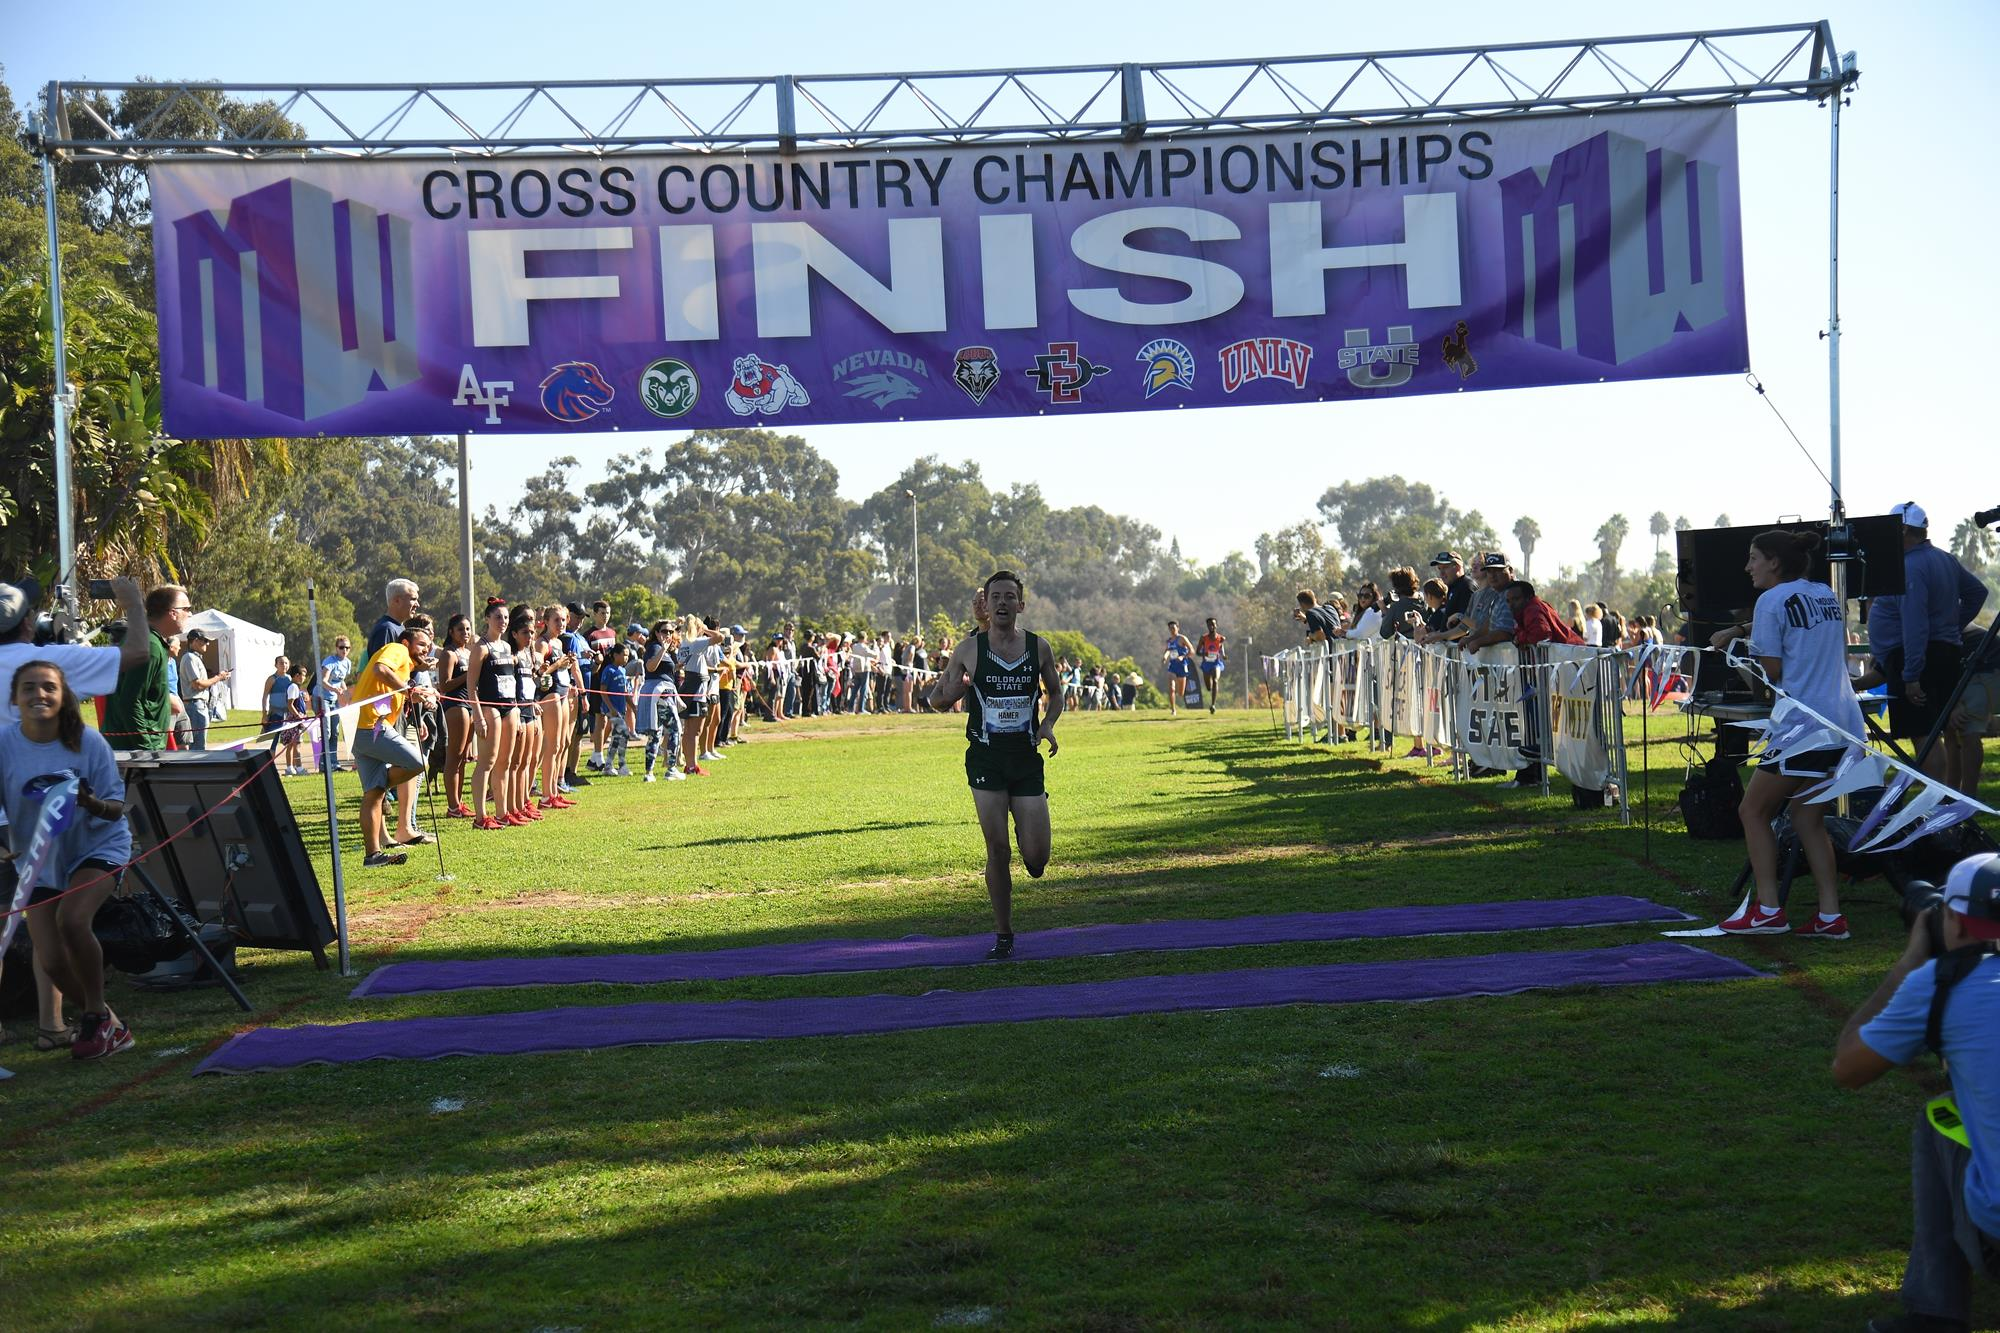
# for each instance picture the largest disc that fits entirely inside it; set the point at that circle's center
(1018, 772)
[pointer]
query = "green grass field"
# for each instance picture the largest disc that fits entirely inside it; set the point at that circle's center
(1672, 1157)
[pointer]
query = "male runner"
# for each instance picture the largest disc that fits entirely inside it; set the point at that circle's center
(1213, 652)
(998, 672)
(1179, 657)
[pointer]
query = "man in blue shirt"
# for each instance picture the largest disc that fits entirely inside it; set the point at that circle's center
(1916, 638)
(1954, 1177)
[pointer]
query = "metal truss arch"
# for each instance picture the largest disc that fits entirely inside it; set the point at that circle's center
(791, 113)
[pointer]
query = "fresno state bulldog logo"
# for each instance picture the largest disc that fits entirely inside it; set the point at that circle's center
(762, 387)
(576, 391)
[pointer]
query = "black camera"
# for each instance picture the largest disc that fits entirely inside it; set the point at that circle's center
(1986, 518)
(1921, 896)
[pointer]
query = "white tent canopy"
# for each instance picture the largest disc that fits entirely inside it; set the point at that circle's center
(245, 650)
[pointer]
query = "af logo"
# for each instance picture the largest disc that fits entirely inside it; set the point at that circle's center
(575, 391)
(1063, 372)
(882, 377)
(762, 387)
(976, 371)
(1373, 365)
(669, 388)
(476, 392)
(1169, 365)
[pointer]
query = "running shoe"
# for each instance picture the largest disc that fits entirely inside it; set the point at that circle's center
(596, 763)
(108, 1036)
(1814, 928)
(563, 786)
(696, 770)
(487, 822)
(515, 818)
(562, 803)
(675, 775)
(459, 812)
(530, 812)
(1754, 920)
(549, 803)
(621, 772)
(1003, 947)
(385, 858)
(649, 778)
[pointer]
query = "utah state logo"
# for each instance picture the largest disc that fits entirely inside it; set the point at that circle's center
(576, 391)
(762, 387)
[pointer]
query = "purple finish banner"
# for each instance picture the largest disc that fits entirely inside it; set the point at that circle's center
(648, 293)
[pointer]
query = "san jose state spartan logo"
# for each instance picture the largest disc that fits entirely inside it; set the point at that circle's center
(1169, 365)
(295, 301)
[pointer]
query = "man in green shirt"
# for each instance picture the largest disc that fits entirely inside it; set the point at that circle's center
(141, 710)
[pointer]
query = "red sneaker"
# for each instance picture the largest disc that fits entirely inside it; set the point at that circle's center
(549, 803)
(459, 812)
(565, 803)
(696, 770)
(1814, 928)
(1754, 920)
(528, 811)
(487, 822)
(98, 1036)
(515, 817)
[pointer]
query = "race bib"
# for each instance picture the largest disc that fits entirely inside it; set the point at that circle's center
(1211, 657)
(503, 685)
(1009, 713)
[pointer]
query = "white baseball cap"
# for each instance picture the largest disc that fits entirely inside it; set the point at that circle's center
(1912, 514)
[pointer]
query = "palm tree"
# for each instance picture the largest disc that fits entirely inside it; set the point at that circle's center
(1722, 521)
(1681, 524)
(1659, 527)
(1527, 532)
(1972, 544)
(1610, 537)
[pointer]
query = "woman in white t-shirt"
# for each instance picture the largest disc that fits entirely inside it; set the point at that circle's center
(1798, 634)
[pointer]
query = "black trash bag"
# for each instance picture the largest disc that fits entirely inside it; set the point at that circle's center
(136, 932)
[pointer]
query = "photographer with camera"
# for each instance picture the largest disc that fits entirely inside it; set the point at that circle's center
(91, 672)
(1943, 994)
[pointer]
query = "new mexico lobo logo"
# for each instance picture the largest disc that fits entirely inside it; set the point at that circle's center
(1169, 365)
(669, 388)
(762, 387)
(576, 391)
(976, 371)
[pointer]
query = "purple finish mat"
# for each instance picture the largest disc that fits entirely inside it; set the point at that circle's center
(652, 1024)
(804, 957)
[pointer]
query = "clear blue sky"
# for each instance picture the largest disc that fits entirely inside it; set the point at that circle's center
(1919, 285)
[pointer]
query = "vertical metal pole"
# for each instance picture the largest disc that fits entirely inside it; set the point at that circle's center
(916, 566)
(326, 773)
(65, 517)
(1249, 658)
(1833, 296)
(465, 591)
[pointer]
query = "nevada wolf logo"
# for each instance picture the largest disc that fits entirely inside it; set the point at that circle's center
(575, 391)
(762, 387)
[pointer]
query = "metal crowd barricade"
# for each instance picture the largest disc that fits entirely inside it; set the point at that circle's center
(1571, 701)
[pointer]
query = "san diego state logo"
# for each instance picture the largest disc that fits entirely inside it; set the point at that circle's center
(762, 387)
(1063, 372)
(576, 391)
(1169, 365)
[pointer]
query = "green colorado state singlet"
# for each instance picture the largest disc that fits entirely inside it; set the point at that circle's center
(1000, 710)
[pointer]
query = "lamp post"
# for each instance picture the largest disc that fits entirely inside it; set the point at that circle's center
(916, 564)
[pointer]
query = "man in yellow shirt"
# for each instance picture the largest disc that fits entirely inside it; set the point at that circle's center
(383, 756)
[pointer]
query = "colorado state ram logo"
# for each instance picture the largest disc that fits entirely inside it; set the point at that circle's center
(575, 391)
(762, 387)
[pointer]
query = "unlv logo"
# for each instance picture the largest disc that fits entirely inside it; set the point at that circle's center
(575, 391)
(1063, 372)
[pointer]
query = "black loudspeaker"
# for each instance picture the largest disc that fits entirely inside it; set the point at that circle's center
(1709, 801)
(1714, 586)
(230, 857)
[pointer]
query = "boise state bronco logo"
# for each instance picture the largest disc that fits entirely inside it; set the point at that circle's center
(762, 387)
(576, 391)
(1169, 365)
